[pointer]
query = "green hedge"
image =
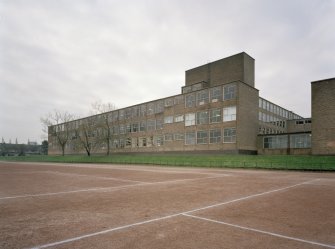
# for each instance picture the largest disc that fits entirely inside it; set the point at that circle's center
(218, 161)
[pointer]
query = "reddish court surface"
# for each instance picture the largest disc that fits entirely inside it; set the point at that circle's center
(124, 206)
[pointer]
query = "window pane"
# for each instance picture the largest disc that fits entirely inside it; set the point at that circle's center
(216, 94)
(215, 115)
(275, 142)
(229, 135)
(202, 97)
(202, 117)
(229, 92)
(189, 119)
(190, 138)
(151, 125)
(202, 137)
(179, 136)
(179, 118)
(300, 141)
(229, 113)
(215, 136)
(168, 120)
(168, 137)
(190, 100)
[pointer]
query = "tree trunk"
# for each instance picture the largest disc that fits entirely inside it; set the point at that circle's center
(107, 147)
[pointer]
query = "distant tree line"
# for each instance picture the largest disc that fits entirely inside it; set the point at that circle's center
(8, 149)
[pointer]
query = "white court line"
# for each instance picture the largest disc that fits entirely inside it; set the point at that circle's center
(126, 167)
(252, 196)
(262, 231)
(105, 188)
(70, 174)
(91, 176)
(164, 217)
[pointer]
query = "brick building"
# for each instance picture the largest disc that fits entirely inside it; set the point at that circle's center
(219, 110)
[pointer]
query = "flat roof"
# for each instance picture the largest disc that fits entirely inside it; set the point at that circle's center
(320, 81)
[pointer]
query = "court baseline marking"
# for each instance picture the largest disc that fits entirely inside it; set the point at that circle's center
(170, 216)
(106, 188)
(260, 231)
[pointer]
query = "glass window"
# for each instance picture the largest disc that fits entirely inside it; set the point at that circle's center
(202, 97)
(122, 143)
(142, 142)
(128, 142)
(135, 111)
(168, 120)
(121, 114)
(168, 137)
(151, 125)
(215, 136)
(264, 104)
(135, 127)
(122, 129)
(202, 117)
(229, 113)
(159, 106)
(179, 118)
(158, 140)
(143, 110)
(128, 128)
(275, 142)
(189, 119)
(115, 116)
(190, 100)
(179, 136)
(127, 114)
(215, 116)
(169, 102)
(115, 143)
(115, 130)
(202, 137)
(179, 100)
(134, 142)
(216, 94)
(229, 135)
(150, 141)
(229, 92)
(150, 108)
(190, 138)
(142, 125)
(159, 124)
(300, 141)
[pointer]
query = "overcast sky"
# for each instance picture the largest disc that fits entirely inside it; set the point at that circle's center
(61, 54)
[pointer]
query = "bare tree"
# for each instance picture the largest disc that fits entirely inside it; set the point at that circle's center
(57, 124)
(102, 110)
(88, 135)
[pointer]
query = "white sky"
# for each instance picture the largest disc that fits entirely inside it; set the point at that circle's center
(66, 54)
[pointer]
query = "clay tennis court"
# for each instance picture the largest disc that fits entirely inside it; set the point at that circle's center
(127, 206)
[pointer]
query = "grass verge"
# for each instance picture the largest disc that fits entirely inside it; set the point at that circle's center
(320, 163)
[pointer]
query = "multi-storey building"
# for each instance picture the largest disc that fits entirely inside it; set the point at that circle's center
(219, 110)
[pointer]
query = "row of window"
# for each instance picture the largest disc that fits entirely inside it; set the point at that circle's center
(301, 122)
(268, 106)
(190, 138)
(214, 94)
(204, 117)
(267, 130)
(268, 118)
(287, 141)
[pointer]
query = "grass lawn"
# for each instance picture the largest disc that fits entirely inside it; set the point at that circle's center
(326, 163)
